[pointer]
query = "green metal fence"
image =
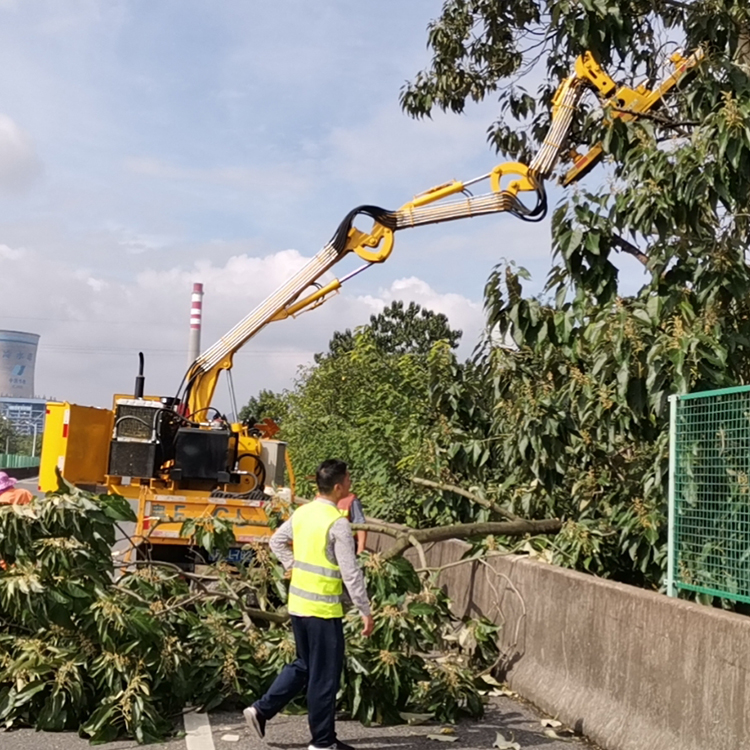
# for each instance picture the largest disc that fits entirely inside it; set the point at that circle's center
(13, 461)
(709, 494)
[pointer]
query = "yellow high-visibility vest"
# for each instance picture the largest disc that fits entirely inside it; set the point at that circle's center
(316, 586)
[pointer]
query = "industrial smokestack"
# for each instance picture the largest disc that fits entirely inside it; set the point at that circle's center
(196, 314)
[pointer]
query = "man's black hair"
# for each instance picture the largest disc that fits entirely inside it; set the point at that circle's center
(329, 474)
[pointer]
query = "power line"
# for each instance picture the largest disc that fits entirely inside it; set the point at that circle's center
(72, 349)
(78, 320)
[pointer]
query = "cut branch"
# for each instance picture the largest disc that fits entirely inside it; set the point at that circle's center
(200, 581)
(381, 528)
(494, 507)
(468, 530)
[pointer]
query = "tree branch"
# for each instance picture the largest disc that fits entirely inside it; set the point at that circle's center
(467, 530)
(661, 119)
(630, 248)
(199, 580)
(494, 507)
(381, 528)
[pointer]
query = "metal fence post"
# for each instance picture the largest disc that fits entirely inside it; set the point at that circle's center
(671, 590)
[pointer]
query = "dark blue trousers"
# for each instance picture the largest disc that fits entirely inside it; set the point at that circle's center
(317, 669)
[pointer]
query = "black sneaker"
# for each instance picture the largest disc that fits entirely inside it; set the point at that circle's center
(338, 745)
(255, 721)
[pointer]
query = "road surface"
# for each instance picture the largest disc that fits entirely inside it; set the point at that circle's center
(515, 720)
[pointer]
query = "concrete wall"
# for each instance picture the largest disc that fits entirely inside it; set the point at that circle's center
(631, 669)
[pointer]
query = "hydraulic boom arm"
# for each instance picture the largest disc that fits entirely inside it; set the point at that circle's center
(434, 206)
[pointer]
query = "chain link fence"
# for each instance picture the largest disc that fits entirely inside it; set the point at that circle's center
(709, 494)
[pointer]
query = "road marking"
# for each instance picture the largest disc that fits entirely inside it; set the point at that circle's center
(198, 731)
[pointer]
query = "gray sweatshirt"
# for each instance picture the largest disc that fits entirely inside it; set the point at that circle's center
(339, 551)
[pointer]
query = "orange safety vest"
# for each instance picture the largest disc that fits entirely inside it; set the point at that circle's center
(345, 505)
(12, 496)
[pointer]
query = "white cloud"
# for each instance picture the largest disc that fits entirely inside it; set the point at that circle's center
(462, 313)
(19, 163)
(10, 253)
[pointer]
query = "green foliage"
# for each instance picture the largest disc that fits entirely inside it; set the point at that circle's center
(374, 410)
(569, 416)
(399, 330)
(83, 649)
(266, 404)
(482, 48)
(14, 442)
(387, 675)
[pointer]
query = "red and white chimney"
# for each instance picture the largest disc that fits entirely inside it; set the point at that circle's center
(196, 319)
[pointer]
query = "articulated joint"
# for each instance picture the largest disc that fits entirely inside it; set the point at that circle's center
(380, 239)
(523, 184)
(318, 297)
(588, 69)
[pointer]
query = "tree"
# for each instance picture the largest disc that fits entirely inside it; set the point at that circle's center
(9, 438)
(574, 421)
(372, 410)
(399, 330)
(265, 404)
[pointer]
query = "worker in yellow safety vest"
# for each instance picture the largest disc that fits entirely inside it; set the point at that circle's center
(316, 543)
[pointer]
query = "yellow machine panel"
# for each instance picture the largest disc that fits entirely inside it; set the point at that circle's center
(76, 441)
(163, 515)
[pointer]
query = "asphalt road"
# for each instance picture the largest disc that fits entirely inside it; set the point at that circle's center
(31, 484)
(514, 719)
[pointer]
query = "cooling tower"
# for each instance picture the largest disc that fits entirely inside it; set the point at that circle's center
(17, 360)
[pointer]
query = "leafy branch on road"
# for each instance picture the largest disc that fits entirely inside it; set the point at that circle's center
(112, 648)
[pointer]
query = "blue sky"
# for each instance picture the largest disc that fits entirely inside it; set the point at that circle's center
(146, 145)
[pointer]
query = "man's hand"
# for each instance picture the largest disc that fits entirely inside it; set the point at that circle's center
(368, 625)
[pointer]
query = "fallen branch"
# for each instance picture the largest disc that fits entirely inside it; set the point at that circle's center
(200, 581)
(494, 507)
(503, 655)
(381, 528)
(467, 530)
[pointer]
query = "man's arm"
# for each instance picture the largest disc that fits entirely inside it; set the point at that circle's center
(346, 559)
(357, 515)
(281, 544)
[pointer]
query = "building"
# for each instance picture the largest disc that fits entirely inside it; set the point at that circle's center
(25, 414)
(18, 403)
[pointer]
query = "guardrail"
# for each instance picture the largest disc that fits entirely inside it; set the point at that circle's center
(15, 461)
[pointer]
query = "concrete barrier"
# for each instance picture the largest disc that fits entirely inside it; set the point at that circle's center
(631, 669)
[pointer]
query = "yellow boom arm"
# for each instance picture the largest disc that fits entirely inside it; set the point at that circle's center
(434, 206)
